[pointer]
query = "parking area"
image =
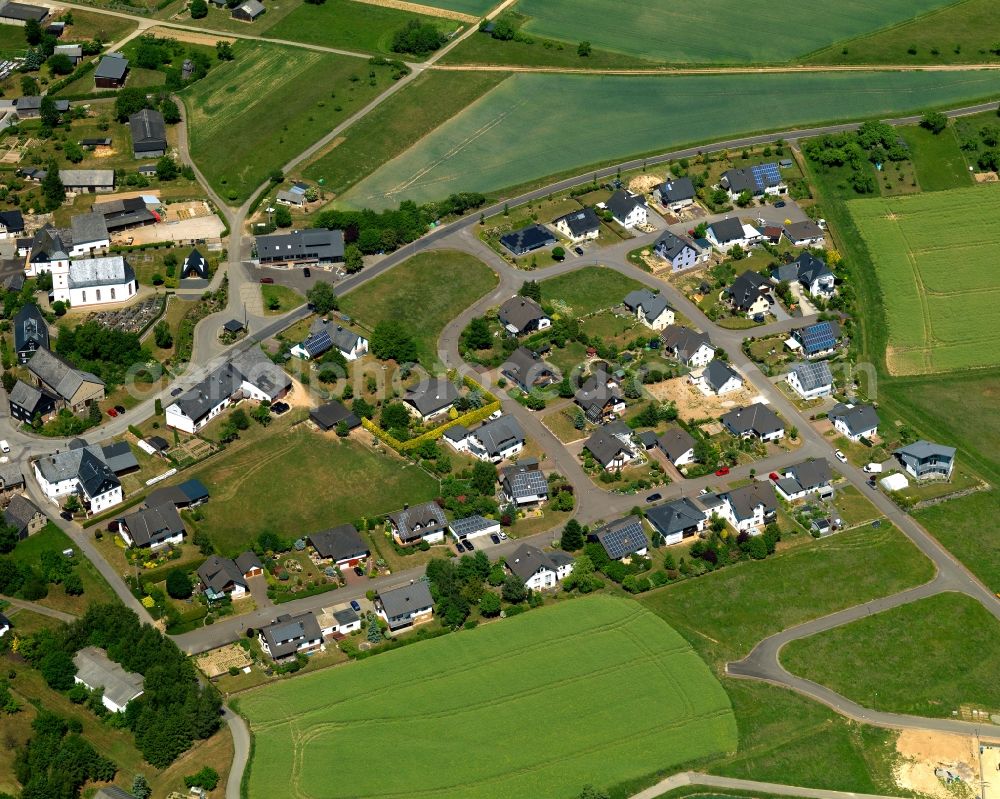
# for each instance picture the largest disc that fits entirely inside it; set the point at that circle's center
(294, 277)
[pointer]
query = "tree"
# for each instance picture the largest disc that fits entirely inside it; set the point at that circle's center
(590, 792)
(33, 32)
(353, 259)
(57, 669)
(489, 604)
(179, 585)
(262, 414)
(513, 590)
(60, 64)
(583, 49)
(418, 38)
(342, 430)
(199, 9)
(239, 419)
(282, 216)
(73, 152)
(224, 50)
(531, 289)
(140, 787)
(207, 778)
(8, 538)
(171, 113)
(558, 253)
(129, 101)
(374, 633)
(744, 199)
(934, 121)
(394, 416)
(484, 478)
(390, 342)
(322, 297)
(52, 187)
(166, 168)
(572, 537)
(162, 335)
(73, 584)
(477, 335)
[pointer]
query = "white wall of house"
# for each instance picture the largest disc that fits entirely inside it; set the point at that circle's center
(701, 356)
(175, 417)
(820, 391)
(96, 295)
(590, 235)
(639, 215)
(55, 267)
(841, 427)
(360, 348)
(750, 525)
(476, 448)
(665, 319)
(86, 247)
(685, 458)
(685, 259)
(101, 502)
(54, 491)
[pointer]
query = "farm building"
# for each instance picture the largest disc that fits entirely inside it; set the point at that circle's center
(21, 13)
(87, 181)
(249, 11)
(112, 72)
(149, 133)
(312, 246)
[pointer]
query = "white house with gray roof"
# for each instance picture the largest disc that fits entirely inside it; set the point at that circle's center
(688, 346)
(809, 477)
(324, 336)
(88, 233)
(539, 570)
(810, 379)
(88, 470)
(675, 193)
(423, 522)
(750, 507)
(430, 397)
(496, 440)
(629, 210)
(925, 459)
(677, 520)
(652, 309)
(579, 225)
(718, 378)
(854, 421)
(95, 670)
(524, 483)
(679, 251)
(405, 606)
(290, 635)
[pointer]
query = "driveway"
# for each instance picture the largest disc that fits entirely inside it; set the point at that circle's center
(258, 590)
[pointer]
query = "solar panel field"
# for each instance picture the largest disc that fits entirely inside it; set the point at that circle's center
(715, 31)
(533, 125)
(935, 257)
(594, 690)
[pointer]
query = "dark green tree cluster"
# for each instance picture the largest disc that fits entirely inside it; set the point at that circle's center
(106, 352)
(174, 709)
(874, 142)
(457, 585)
(31, 580)
(390, 341)
(418, 38)
(322, 297)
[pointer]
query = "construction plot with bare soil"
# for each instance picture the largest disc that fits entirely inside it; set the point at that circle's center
(692, 404)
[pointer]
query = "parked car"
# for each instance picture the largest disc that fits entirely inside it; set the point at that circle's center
(494, 538)
(460, 545)
(306, 272)
(112, 412)
(359, 571)
(872, 468)
(774, 476)
(176, 392)
(120, 409)
(840, 456)
(267, 280)
(503, 536)
(469, 546)
(654, 497)
(722, 472)
(779, 204)
(4, 446)
(578, 250)
(355, 606)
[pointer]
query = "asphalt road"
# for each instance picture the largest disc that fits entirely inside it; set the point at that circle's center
(686, 778)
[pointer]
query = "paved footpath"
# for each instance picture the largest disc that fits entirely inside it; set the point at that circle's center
(695, 778)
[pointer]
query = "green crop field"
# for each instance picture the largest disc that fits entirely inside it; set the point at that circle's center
(594, 690)
(251, 115)
(423, 293)
(926, 658)
(588, 290)
(714, 31)
(485, 148)
(934, 255)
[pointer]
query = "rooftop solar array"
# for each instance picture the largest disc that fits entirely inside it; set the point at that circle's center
(318, 343)
(765, 175)
(818, 337)
(623, 538)
(469, 526)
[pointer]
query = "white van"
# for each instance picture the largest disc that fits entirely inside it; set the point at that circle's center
(872, 468)
(4, 446)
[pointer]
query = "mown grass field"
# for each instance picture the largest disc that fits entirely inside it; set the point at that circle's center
(286, 298)
(485, 148)
(927, 658)
(939, 162)
(587, 290)
(249, 116)
(962, 33)
(967, 527)
(423, 294)
(714, 31)
(249, 498)
(595, 690)
(933, 255)
(396, 124)
(12, 40)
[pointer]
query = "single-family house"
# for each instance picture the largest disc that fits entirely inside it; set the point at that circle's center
(31, 333)
(854, 421)
(749, 294)
(628, 210)
(675, 194)
(324, 336)
(11, 224)
(808, 271)
(750, 507)
(431, 397)
(925, 459)
(473, 527)
(423, 522)
(149, 133)
(88, 470)
(111, 72)
(87, 181)
(718, 378)
(809, 477)
(538, 570)
(612, 447)
(339, 622)
(688, 346)
(524, 483)
(405, 606)
(288, 636)
(221, 577)
(292, 199)
(522, 315)
(810, 379)
(24, 515)
(341, 545)
(527, 371)
(731, 232)
(817, 340)
(652, 309)
(622, 539)
(311, 246)
(528, 239)
(95, 670)
(754, 421)
(804, 234)
(679, 251)
(677, 520)
(496, 440)
(330, 414)
(579, 225)
(758, 180)
(248, 11)
(154, 527)
(598, 397)
(26, 402)
(678, 445)
(11, 476)
(72, 388)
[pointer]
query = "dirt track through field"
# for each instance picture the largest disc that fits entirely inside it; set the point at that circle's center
(416, 8)
(717, 70)
(208, 39)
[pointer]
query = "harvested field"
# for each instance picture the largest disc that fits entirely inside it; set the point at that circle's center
(207, 39)
(417, 8)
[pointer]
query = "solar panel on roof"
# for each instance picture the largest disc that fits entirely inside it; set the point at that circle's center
(319, 343)
(818, 337)
(766, 175)
(624, 540)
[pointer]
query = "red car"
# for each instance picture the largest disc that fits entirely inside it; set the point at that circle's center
(774, 476)
(112, 412)
(267, 280)
(723, 471)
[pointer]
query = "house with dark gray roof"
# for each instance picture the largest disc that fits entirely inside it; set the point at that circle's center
(810, 272)
(149, 133)
(652, 309)
(816, 340)
(688, 346)
(628, 210)
(496, 440)
(749, 507)
(750, 294)
(678, 445)
(612, 447)
(189, 494)
(31, 332)
(26, 402)
(73, 388)
(809, 477)
(677, 520)
(30, 107)
(88, 233)
(538, 570)
(854, 421)
(341, 545)
(524, 483)
(727, 233)
(310, 246)
(112, 792)
(718, 378)
(810, 379)
(126, 213)
(579, 226)
(11, 224)
(195, 266)
(12, 13)
(754, 421)
(248, 11)
(679, 251)
(598, 397)
(622, 539)
(288, 636)
(330, 414)
(154, 527)
(925, 459)
(221, 576)
(521, 315)
(405, 606)
(675, 193)
(87, 181)
(24, 515)
(528, 239)
(431, 397)
(758, 180)
(527, 371)
(804, 234)
(88, 470)
(324, 336)
(423, 522)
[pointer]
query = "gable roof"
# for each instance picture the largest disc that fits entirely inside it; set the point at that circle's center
(621, 203)
(524, 367)
(287, 632)
(194, 264)
(163, 519)
(520, 312)
(923, 450)
(684, 341)
(670, 245)
(728, 229)
(675, 442)
(30, 329)
(718, 373)
(580, 222)
(339, 543)
(745, 290)
(756, 418)
(406, 599)
(217, 572)
(111, 270)
(149, 131)
(253, 8)
(812, 374)
(744, 499)
(47, 245)
(605, 444)
(818, 337)
(677, 190)
(320, 243)
(810, 474)
(521, 483)
(23, 11)
(470, 525)
(432, 396)
(807, 229)
(20, 512)
(811, 268)
(528, 560)
(594, 394)
(674, 517)
(12, 220)
(417, 521)
(858, 419)
(248, 560)
(332, 413)
(88, 228)
(499, 434)
(653, 305)
(87, 177)
(622, 538)
(94, 668)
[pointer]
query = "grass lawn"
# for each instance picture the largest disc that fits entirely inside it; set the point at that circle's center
(351, 25)
(348, 481)
(560, 422)
(399, 122)
(932, 253)
(588, 290)
(51, 539)
(91, 25)
(739, 34)
(967, 527)
(484, 149)
(12, 41)
(280, 299)
(474, 684)
(854, 508)
(423, 293)
(565, 359)
(927, 658)
(961, 32)
(724, 614)
(307, 92)
(939, 162)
